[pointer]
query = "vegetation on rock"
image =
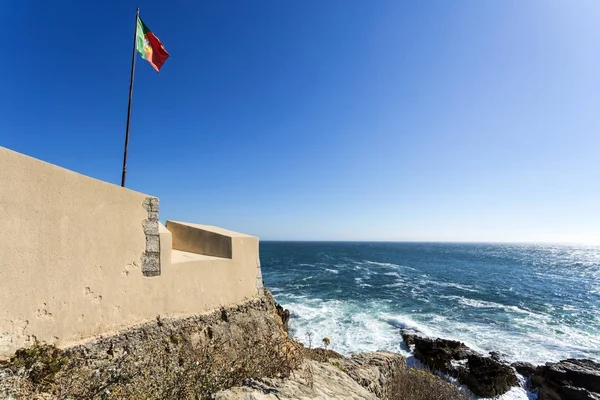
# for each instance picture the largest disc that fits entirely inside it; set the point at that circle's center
(195, 358)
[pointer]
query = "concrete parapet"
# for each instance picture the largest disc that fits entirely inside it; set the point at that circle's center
(202, 239)
(80, 258)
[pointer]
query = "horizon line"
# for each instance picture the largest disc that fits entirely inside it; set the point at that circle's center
(429, 241)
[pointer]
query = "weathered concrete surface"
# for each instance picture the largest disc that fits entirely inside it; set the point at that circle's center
(201, 239)
(80, 257)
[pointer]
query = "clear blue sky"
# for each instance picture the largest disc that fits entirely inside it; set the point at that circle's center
(339, 119)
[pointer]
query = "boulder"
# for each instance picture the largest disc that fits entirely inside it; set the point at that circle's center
(487, 377)
(496, 355)
(571, 379)
(284, 314)
(437, 354)
(524, 368)
(484, 376)
(374, 371)
(313, 381)
(362, 377)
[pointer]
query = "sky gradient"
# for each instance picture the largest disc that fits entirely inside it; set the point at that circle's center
(324, 120)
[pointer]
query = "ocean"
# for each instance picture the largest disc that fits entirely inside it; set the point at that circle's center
(534, 303)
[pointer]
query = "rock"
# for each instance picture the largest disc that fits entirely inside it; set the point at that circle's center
(284, 314)
(163, 360)
(496, 355)
(321, 355)
(524, 368)
(484, 376)
(570, 379)
(374, 371)
(315, 380)
(408, 336)
(437, 354)
(362, 376)
(487, 377)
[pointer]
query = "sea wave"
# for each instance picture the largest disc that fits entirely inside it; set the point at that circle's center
(467, 288)
(395, 274)
(387, 265)
(509, 299)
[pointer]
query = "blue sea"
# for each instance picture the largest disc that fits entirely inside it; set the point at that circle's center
(535, 303)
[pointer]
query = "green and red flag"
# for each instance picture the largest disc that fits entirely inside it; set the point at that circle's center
(148, 45)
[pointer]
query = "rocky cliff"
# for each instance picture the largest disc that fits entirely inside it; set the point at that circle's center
(240, 352)
(489, 376)
(244, 352)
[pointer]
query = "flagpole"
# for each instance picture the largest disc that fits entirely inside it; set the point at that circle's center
(137, 13)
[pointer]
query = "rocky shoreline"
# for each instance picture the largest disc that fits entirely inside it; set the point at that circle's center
(491, 376)
(244, 352)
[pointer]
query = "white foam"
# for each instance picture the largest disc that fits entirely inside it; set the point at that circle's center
(406, 322)
(490, 304)
(466, 288)
(395, 274)
(387, 265)
(517, 393)
(333, 271)
(350, 328)
(393, 285)
(381, 264)
(458, 363)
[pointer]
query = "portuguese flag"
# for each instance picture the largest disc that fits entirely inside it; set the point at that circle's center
(148, 45)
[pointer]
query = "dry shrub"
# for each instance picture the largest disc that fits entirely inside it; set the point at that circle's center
(416, 384)
(320, 354)
(176, 368)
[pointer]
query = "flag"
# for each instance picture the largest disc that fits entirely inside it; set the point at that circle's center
(148, 45)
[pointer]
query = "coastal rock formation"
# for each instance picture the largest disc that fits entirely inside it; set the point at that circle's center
(166, 358)
(568, 380)
(284, 314)
(378, 375)
(437, 354)
(341, 379)
(524, 368)
(374, 371)
(484, 376)
(237, 352)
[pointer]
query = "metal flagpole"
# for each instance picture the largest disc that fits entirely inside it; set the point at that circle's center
(137, 13)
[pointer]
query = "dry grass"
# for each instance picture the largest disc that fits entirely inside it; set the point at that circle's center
(415, 384)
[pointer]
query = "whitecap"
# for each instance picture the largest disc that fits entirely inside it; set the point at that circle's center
(395, 285)
(388, 265)
(448, 284)
(395, 274)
